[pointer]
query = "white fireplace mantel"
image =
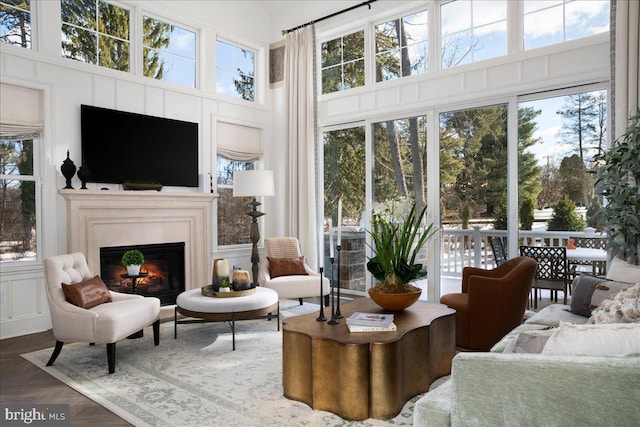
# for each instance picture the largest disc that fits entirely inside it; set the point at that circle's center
(103, 218)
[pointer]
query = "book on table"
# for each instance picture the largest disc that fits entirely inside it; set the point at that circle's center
(359, 328)
(370, 319)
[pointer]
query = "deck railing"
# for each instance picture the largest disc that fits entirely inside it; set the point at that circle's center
(471, 247)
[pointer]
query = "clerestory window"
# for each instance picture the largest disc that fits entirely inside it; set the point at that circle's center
(473, 30)
(401, 47)
(15, 22)
(169, 52)
(235, 71)
(96, 32)
(550, 22)
(342, 62)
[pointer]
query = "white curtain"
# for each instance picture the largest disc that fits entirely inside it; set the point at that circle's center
(21, 112)
(625, 73)
(300, 180)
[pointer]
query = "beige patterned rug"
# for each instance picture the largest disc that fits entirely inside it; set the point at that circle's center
(197, 380)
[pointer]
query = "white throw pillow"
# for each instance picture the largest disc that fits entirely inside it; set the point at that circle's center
(622, 271)
(616, 339)
(529, 341)
(624, 307)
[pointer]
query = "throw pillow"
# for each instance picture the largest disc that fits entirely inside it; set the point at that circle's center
(594, 340)
(622, 271)
(589, 292)
(286, 267)
(581, 294)
(530, 341)
(624, 307)
(88, 293)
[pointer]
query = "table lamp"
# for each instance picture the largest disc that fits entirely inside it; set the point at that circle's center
(253, 183)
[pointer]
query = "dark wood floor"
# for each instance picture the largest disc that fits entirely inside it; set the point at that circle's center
(23, 382)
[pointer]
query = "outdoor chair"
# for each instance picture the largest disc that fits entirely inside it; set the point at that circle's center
(499, 253)
(551, 273)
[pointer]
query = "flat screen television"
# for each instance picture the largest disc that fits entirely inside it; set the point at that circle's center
(119, 146)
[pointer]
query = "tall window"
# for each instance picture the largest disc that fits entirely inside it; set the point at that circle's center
(17, 201)
(401, 47)
(549, 22)
(344, 174)
(342, 63)
(472, 31)
(169, 52)
(15, 22)
(235, 71)
(400, 157)
(567, 132)
(96, 32)
(233, 224)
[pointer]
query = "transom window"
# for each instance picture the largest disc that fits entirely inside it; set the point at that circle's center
(342, 62)
(549, 22)
(401, 47)
(235, 71)
(169, 52)
(96, 32)
(472, 31)
(15, 22)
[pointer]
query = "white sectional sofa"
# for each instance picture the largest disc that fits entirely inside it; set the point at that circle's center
(549, 371)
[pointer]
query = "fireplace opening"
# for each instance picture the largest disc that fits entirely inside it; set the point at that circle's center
(164, 263)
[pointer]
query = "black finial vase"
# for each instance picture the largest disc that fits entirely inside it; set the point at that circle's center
(83, 174)
(68, 169)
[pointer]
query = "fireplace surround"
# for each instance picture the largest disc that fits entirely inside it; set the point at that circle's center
(98, 218)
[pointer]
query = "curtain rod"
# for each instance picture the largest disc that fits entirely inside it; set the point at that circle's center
(366, 3)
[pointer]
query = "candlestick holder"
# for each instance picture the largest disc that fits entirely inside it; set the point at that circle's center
(321, 317)
(334, 320)
(338, 314)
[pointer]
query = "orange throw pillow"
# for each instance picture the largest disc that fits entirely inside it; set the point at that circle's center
(88, 293)
(286, 267)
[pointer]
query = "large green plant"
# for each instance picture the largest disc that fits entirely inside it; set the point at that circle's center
(396, 239)
(618, 179)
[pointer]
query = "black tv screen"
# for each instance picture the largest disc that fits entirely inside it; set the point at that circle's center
(118, 146)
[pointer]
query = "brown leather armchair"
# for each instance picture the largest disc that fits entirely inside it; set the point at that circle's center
(492, 302)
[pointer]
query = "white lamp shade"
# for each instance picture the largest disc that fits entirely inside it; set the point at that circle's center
(253, 183)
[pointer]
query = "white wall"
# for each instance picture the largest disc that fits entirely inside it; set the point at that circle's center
(67, 84)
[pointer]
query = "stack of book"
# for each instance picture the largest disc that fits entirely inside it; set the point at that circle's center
(370, 322)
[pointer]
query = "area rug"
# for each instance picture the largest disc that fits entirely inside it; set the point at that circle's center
(196, 379)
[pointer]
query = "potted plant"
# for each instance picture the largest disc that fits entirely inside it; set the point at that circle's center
(133, 260)
(224, 285)
(618, 180)
(397, 236)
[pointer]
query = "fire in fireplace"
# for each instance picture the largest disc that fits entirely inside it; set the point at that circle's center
(163, 262)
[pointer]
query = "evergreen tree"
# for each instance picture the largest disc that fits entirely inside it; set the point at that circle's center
(17, 23)
(565, 217)
(574, 179)
(526, 214)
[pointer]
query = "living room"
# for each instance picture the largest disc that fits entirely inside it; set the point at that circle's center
(64, 83)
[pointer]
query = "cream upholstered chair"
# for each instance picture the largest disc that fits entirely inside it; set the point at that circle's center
(290, 286)
(105, 323)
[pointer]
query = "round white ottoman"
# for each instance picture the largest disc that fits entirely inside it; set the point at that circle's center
(260, 305)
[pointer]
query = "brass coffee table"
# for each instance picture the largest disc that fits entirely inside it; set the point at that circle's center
(366, 374)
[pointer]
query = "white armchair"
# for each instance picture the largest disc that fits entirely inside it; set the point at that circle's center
(291, 286)
(103, 324)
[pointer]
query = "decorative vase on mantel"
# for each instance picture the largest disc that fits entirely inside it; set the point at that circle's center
(68, 169)
(83, 174)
